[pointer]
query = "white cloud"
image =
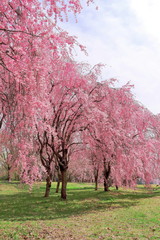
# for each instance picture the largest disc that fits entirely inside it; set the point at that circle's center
(147, 12)
(125, 36)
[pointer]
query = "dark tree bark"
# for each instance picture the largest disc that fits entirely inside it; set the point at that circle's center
(9, 173)
(64, 184)
(124, 182)
(57, 187)
(96, 179)
(59, 178)
(1, 120)
(106, 186)
(63, 166)
(107, 171)
(48, 184)
(46, 160)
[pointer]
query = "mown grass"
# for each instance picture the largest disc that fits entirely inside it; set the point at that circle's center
(87, 214)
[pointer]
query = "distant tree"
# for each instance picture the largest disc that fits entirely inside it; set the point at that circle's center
(118, 126)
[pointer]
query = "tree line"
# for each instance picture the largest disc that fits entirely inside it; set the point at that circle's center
(55, 114)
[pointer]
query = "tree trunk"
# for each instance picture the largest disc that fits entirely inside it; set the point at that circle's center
(64, 184)
(96, 184)
(107, 171)
(96, 179)
(106, 185)
(48, 185)
(8, 174)
(58, 185)
(58, 179)
(116, 187)
(124, 182)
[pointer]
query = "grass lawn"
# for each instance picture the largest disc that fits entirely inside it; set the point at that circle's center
(87, 214)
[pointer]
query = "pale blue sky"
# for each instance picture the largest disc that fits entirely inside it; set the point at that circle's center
(124, 35)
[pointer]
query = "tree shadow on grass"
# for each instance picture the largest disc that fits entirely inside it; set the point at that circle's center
(22, 206)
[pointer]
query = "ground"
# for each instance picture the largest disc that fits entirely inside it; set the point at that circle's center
(87, 214)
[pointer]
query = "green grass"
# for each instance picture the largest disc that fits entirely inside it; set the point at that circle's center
(87, 214)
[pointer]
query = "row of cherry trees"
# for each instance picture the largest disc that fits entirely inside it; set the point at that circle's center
(54, 114)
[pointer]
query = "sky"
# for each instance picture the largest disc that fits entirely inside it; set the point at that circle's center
(125, 36)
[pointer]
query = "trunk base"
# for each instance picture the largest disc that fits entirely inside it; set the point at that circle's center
(57, 188)
(64, 184)
(48, 187)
